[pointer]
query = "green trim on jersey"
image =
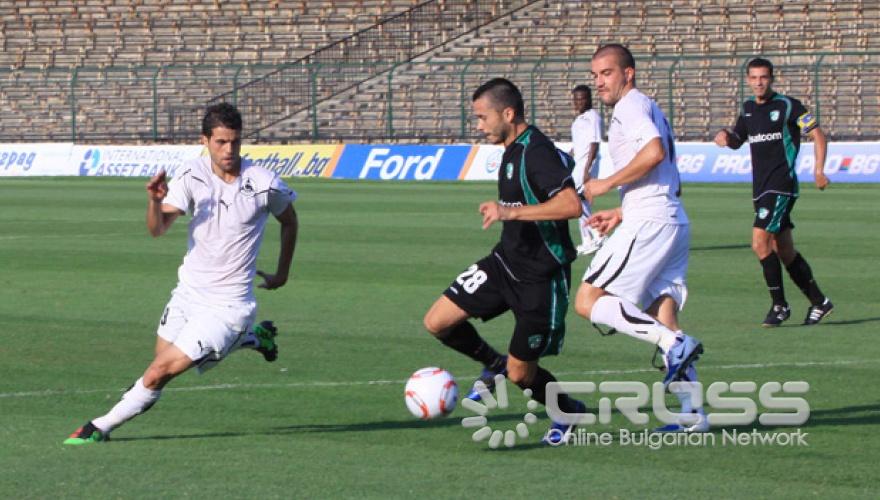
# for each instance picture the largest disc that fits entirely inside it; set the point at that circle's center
(779, 209)
(559, 301)
(791, 151)
(547, 229)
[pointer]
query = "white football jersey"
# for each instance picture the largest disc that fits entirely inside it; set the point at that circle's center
(226, 227)
(636, 120)
(585, 130)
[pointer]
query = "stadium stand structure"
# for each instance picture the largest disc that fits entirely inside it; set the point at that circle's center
(402, 70)
(690, 55)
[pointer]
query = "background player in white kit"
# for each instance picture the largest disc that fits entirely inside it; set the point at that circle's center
(644, 262)
(586, 134)
(213, 305)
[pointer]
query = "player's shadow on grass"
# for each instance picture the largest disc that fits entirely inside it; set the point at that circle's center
(849, 321)
(721, 247)
(386, 425)
(847, 415)
(451, 421)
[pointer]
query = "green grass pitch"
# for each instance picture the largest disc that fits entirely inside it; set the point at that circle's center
(82, 286)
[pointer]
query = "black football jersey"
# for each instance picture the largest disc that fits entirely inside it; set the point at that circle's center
(533, 171)
(773, 130)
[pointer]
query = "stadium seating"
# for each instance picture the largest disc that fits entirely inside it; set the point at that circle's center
(136, 70)
(690, 58)
(190, 48)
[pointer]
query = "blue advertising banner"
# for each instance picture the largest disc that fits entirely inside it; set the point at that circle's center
(844, 162)
(402, 162)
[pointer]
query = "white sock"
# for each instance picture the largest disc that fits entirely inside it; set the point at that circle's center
(137, 400)
(249, 341)
(684, 397)
(626, 318)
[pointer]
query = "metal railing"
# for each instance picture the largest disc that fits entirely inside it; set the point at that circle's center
(408, 101)
(276, 94)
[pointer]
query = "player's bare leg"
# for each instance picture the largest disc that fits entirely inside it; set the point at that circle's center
(449, 324)
(169, 362)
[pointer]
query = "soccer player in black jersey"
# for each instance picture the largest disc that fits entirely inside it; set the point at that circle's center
(528, 272)
(772, 124)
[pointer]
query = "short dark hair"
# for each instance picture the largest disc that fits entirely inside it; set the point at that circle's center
(586, 90)
(222, 114)
(624, 57)
(504, 94)
(760, 62)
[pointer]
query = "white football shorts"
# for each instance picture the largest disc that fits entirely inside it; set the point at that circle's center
(643, 260)
(206, 333)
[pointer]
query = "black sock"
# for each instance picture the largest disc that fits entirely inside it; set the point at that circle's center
(539, 391)
(773, 276)
(465, 339)
(802, 276)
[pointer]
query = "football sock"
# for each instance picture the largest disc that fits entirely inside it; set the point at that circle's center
(802, 276)
(684, 397)
(539, 390)
(773, 276)
(626, 318)
(465, 339)
(135, 401)
(249, 341)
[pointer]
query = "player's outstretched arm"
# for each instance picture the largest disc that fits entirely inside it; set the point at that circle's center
(592, 151)
(722, 138)
(733, 138)
(289, 229)
(160, 216)
(646, 159)
(564, 205)
(820, 147)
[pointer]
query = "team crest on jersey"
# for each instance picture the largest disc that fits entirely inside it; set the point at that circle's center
(763, 213)
(535, 341)
(508, 170)
(247, 187)
(774, 115)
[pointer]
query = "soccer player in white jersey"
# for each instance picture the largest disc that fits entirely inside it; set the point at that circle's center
(586, 134)
(213, 306)
(636, 282)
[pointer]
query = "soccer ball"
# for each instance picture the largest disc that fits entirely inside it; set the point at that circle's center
(431, 393)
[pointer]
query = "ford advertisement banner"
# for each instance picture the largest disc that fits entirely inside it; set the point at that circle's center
(402, 162)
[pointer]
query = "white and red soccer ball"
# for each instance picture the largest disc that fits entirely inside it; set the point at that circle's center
(431, 393)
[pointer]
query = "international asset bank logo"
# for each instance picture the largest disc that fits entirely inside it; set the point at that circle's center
(90, 162)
